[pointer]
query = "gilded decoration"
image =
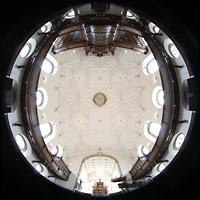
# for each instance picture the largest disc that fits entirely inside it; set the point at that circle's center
(99, 99)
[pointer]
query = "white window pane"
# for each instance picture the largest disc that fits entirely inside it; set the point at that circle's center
(145, 151)
(174, 51)
(129, 14)
(160, 97)
(160, 167)
(47, 66)
(179, 141)
(45, 129)
(44, 28)
(39, 98)
(72, 13)
(20, 141)
(156, 29)
(154, 129)
(54, 151)
(152, 66)
(39, 168)
(25, 50)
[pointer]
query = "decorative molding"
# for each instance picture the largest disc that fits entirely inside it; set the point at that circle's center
(99, 99)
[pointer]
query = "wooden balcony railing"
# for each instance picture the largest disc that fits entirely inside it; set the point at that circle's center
(29, 110)
(170, 110)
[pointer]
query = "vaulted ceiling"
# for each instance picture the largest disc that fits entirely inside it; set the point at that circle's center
(86, 127)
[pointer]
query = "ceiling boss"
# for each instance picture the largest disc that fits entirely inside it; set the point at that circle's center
(99, 99)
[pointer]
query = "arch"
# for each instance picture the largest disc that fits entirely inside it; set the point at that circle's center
(28, 48)
(41, 169)
(69, 15)
(158, 97)
(153, 28)
(96, 155)
(49, 65)
(41, 98)
(176, 143)
(150, 65)
(171, 48)
(48, 131)
(57, 151)
(158, 169)
(142, 150)
(152, 130)
(23, 145)
(46, 27)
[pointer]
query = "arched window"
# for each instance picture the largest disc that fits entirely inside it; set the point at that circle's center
(46, 129)
(57, 151)
(41, 98)
(46, 28)
(28, 48)
(142, 150)
(42, 169)
(154, 129)
(131, 15)
(158, 97)
(153, 28)
(48, 132)
(23, 145)
(178, 141)
(171, 49)
(25, 50)
(39, 168)
(151, 130)
(49, 65)
(21, 142)
(160, 167)
(70, 14)
(150, 65)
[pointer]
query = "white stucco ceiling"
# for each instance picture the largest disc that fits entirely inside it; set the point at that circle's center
(85, 127)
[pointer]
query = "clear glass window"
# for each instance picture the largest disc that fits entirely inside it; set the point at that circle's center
(154, 129)
(39, 168)
(39, 98)
(160, 167)
(173, 50)
(152, 66)
(179, 141)
(158, 97)
(21, 142)
(46, 129)
(144, 150)
(47, 66)
(25, 50)
(55, 150)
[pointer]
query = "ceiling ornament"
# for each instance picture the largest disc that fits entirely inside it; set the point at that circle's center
(99, 99)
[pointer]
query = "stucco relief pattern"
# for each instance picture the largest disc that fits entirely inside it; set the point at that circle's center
(87, 127)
